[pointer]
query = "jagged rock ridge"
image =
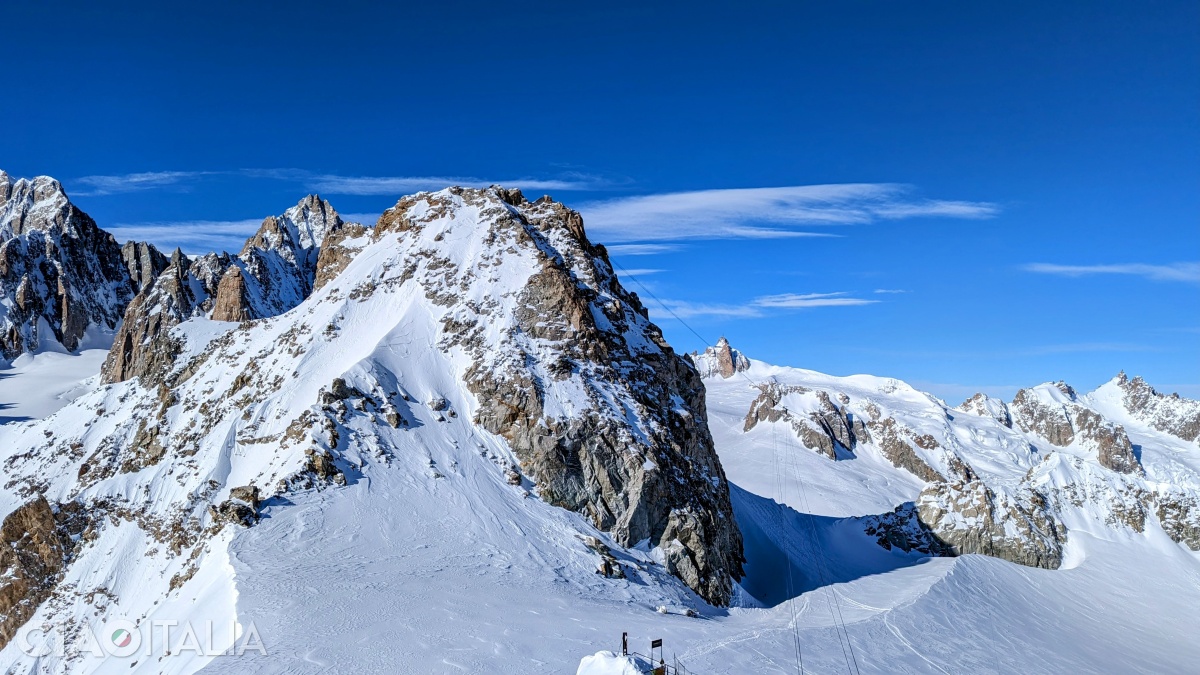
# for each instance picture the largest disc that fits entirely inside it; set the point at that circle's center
(274, 272)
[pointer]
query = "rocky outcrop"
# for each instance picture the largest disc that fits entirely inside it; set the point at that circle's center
(1171, 414)
(143, 346)
(32, 557)
(634, 454)
(765, 407)
(231, 303)
(1113, 449)
(972, 518)
(279, 263)
(986, 406)
(275, 271)
(240, 509)
(58, 270)
(819, 424)
(144, 263)
(336, 252)
(897, 443)
(1045, 418)
(720, 359)
(1053, 412)
(1179, 515)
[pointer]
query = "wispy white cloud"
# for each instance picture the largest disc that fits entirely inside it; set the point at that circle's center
(758, 307)
(804, 300)
(763, 212)
(641, 249)
(1184, 271)
(635, 272)
(134, 182)
(400, 185)
(890, 291)
(685, 310)
(332, 184)
(193, 236)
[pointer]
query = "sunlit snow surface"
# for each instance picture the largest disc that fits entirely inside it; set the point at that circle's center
(36, 385)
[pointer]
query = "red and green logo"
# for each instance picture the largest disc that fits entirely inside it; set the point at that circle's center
(122, 637)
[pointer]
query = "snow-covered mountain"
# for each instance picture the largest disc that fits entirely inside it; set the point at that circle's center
(452, 441)
(1011, 480)
(471, 346)
(63, 280)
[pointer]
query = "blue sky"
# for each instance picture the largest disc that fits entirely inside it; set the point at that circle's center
(965, 197)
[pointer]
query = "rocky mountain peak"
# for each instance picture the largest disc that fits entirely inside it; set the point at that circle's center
(720, 359)
(300, 229)
(985, 406)
(565, 365)
(37, 204)
(1055, 413)
(1170, 413)
(59, 270)
(521, 320)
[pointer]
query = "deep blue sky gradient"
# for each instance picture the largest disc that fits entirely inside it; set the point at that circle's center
(1079, 121)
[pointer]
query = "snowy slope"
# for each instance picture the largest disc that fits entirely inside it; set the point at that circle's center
(36, 385)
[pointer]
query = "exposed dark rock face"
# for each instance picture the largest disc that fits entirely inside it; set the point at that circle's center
(1172, 413)
(144, 347)
(828, 429)
(279, 263)
(336, 252)
(902, 529)
(897, 443)
(1111, 442)
(951, 520)
(765, 407)
(231, 303)
(659, 480)
(1179, 515)
(58, 269)
(144, 263)
(240, 509)
(32, 557)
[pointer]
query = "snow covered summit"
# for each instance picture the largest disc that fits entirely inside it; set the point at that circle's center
(63, 280)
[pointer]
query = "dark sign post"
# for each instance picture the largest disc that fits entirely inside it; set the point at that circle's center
(658, 669)
(624, 644)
